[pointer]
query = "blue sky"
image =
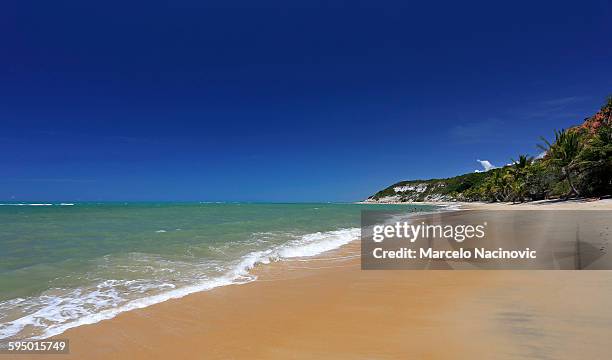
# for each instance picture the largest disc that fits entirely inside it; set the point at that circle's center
(284, 101)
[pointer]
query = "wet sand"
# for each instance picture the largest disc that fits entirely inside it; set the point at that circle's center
(328, 308)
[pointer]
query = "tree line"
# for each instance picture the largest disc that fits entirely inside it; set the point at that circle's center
(577, 163)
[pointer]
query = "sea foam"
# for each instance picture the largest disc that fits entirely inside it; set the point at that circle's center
(52, 314)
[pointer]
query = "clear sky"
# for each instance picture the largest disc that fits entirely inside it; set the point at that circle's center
(284, 100)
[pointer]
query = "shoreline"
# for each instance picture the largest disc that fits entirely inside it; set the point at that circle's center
(295, 302)
(571, 204)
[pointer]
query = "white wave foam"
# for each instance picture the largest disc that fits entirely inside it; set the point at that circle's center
(24, 204)
(58, 313)
(452, 207)
(36, 204)
(318, 243)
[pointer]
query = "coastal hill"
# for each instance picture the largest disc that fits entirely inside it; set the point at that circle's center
(578, 163)
(450, 189)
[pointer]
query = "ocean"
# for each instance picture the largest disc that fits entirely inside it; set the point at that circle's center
(64, 265)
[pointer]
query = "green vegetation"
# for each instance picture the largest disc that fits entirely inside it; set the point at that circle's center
(577, 163)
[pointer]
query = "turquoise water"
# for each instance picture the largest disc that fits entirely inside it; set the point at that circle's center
(66, 265)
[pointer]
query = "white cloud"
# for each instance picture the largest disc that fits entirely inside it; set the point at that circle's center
(541, 155)
(486, 165)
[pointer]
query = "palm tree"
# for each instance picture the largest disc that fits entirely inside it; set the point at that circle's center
(563, 155)
(522, 162)
(538, 180)
(518, 177)
(497, 185)
(519, 167)
(519, 190)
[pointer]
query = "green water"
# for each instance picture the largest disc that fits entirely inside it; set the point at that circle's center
(65, 265)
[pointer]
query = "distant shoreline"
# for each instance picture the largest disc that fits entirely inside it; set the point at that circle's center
(571, 204)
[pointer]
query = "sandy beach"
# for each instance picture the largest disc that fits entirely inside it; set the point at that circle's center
(328, 308)
(344, 180)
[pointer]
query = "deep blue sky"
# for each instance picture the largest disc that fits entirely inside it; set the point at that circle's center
(224, 100)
